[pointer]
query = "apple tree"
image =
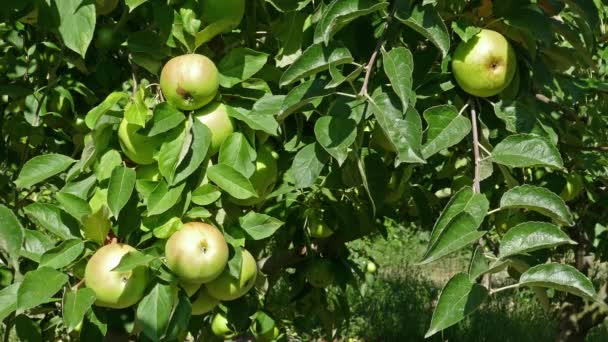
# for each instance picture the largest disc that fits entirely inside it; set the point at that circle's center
(197, 169)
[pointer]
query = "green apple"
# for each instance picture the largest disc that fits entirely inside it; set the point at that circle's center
(320, 273)
(204, 302)
(104, 7)
(197, 253)
(263, 178)
(371, 267)
(318, 228)
(104, 38)
(225, 13)
(215, 117)
(190, 288)
(189, 81)
(220, 328)
(137, 147)
(573, 188)
(148, 172)
(270, 335)
(485, 64)
(113, 289)
(226, 287)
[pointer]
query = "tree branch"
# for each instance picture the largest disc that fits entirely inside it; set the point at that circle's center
(372, 60)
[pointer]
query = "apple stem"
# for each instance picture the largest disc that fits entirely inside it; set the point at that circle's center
(372, 60)
(78, 285)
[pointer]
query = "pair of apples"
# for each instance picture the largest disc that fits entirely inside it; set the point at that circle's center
(197, 254)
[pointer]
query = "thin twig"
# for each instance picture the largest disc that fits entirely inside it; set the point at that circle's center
(372, 60)
(477, 179)
(504, 288)
(493, 211)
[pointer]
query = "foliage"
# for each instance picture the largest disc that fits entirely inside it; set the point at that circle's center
(358, 102)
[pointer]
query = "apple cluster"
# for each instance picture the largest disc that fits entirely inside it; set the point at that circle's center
(197, 253)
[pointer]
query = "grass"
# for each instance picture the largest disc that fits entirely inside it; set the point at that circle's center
(399, 302)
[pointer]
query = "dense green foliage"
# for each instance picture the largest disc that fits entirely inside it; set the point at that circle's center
(330, 117)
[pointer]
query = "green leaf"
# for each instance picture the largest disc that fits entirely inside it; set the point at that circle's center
(132, 260)
(308, 164)
(527, 150)
(97, 112)
(97, 225)
(8, 300)
(42, 167)
(459, 298)
(259, 226)
(76, 24)
(62, 255)
(178, 326)
(120, 188)
(136, 111)
(531, 236)
(231, 181)
(73, 205)
(11, 233)
(239, 65)
(519, 116)
(52, 219)
(256, 118)
(164, 198)
(426, 21)
(404, 132)
(336, 135)
(205, 194)
(235, 263)
(133, 4)
(154, 311)
(201, 140)
(458, 233)
(314, 59)
(238, 154)
(398, 66)
(340, 13)
(445, 128)
(75, 306)
(560, 277)
(38, 287)
(464, 31)
(173, 150)
(540, 200)
(35, 244)
(302, 97)
(107, 163)
(479, 264)
(27, 329)
(165, 118)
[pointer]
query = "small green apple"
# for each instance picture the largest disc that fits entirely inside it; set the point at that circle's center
(215, 117)
(137, 147)
(573, 188)
(104, 38)
(226, 13)
(113, 289)
(226, 287)
(485, 64)
(189, 81)
(320, 273)
(220, 327)
(371, 267)
(270, 335)
(197, 253)
(318, 228)
(263, 178)
(148, 172)
(103, 7)
(204, 302)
